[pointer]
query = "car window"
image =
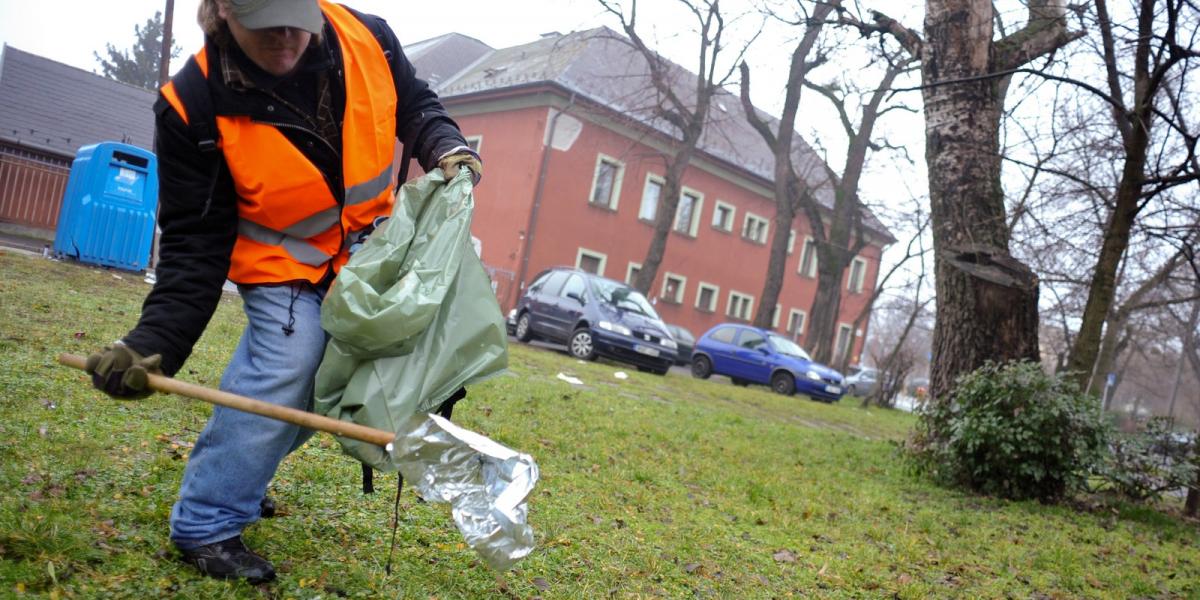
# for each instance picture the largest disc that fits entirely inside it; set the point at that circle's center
(553, 283)
(622, 297)
(724, 334)
(574, 285)
(783, 345)
(751, 339)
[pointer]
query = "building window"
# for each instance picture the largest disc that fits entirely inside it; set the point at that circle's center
(795, 326)
(651, 192)
(687, 214)
(475, 142)
(755, 228)
(591, 261)
(858, 272)
(706, 297)
(631, 272)
(723, 215)
(673, 287)
(791, 241)
(845, 338)
(606, 185)
(775, 316)
(740, 306)
(808, 258)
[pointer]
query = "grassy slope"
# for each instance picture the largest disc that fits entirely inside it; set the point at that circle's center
(650, 487)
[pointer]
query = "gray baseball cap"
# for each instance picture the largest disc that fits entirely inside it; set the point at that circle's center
(261, 14)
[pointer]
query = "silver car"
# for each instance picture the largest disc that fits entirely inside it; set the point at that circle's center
(862, 381)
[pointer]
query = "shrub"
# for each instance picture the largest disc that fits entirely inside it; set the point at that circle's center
(1144, 464)
(1011, 430)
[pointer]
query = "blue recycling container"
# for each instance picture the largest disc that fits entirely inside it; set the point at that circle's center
(109, 208)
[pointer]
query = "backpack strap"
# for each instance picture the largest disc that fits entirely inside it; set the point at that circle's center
(191, 86)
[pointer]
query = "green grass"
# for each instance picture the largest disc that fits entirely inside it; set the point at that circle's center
(651, 487)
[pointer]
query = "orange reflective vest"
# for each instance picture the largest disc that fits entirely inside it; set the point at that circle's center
(291, 225)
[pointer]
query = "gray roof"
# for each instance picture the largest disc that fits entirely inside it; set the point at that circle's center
(59, 108)
(437, 59)
(601, 65)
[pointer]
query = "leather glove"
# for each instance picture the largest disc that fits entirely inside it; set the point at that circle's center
(459, 157)
(121, 372)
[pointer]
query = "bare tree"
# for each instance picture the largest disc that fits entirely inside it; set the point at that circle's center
(987, 299)
(1144, 89)
(685, 110)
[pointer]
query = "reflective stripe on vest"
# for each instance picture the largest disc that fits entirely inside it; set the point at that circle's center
(291, 226)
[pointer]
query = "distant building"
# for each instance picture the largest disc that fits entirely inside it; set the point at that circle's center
(48, 110)
(574, 166)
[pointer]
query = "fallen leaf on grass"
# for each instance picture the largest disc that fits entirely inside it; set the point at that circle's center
(821, 572)
(692, 568)
(904, 579)
(541, 584)
(784, 556)
(43, 430)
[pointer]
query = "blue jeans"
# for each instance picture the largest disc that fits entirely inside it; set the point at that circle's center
(236, 455)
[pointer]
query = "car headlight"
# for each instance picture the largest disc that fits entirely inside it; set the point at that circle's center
(512, 314)
(669, 343)
(813, 375)
(614, 327)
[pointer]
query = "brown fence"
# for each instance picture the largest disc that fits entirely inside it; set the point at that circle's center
(31, 187)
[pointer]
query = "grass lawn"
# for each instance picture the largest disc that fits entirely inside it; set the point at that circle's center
(651, 487)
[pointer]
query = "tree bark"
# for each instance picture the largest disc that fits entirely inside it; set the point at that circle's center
(987, 300)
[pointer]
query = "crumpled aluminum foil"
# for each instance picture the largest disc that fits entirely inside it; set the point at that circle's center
(485, 483)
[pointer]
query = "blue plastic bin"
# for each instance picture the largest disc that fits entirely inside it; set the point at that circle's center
(109, 207)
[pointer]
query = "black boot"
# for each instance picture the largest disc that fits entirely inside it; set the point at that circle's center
(267, 507)
(229, 559)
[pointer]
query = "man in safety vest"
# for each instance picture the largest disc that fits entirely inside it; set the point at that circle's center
(275, 148)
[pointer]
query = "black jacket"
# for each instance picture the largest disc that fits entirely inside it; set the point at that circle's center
(197, 204)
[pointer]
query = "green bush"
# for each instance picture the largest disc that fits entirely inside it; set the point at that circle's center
(1011, 430)
(1144, 464)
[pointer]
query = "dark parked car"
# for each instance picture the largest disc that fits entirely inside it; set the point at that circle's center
(751, 355)
(594, 317)
(685, 340)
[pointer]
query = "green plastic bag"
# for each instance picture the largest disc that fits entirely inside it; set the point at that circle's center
(411, 317)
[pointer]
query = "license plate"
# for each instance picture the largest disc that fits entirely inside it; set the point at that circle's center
(640, 349)
(833, 389)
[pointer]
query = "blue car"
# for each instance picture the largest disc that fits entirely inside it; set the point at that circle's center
(751, 355)
(594, 317)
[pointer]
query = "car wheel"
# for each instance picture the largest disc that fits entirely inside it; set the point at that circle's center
(523, 334)
(701, 367)
(581, 345)
(662, 371)
(739, 382)
(783, 383)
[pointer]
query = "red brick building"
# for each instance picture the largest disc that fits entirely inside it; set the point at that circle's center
(573, 168)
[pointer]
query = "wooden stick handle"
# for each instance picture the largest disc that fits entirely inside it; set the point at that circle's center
(302, 418)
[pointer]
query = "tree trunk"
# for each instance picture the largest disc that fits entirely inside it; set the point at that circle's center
(785, 214)
(987, 300)
(822, 324)
(1104, 278)
(664, 219)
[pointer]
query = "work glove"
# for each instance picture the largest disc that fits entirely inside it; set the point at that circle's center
(461, 156)
(121, 372)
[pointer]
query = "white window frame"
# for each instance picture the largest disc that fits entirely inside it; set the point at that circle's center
(749, 303)
(717, 206)
(856, 287)
(694, 225)
(792, 315)
(662, 183)
(791, 241)
(713, 299)
(679, 290)
(478, 139)
(593, 254)
(811, 272)
(766, 228)
(848, 330)
(629, 271)
(775, 316)
(615, 194)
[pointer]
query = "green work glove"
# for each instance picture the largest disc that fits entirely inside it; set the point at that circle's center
(461, 157)
(121, 372)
